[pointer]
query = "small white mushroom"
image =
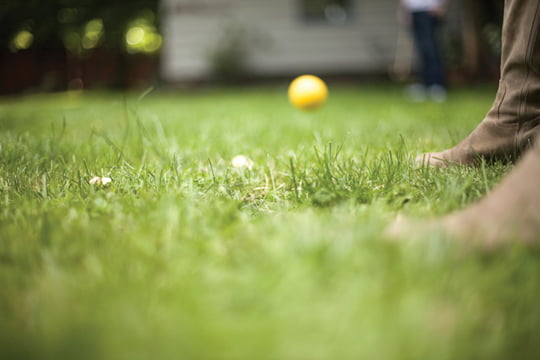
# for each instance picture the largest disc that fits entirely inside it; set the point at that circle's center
(242, 161)
(101, 181)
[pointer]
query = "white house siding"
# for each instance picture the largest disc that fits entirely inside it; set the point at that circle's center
(280, 42)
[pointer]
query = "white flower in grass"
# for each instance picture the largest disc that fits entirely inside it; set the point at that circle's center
(242, 161)
(102, 181)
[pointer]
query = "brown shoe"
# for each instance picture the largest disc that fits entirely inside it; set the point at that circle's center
(512, 123)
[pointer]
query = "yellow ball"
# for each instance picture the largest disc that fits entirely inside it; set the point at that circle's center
(308, 92)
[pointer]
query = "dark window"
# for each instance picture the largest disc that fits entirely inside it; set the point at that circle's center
(329, 11)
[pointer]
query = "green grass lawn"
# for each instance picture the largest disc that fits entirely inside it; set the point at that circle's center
(184, 256)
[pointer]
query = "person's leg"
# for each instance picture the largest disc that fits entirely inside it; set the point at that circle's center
(433, 57)
(512, 124)
(423, 38)
(510, 212)
(436, 80)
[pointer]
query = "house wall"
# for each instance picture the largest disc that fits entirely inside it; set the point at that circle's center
(278, 40)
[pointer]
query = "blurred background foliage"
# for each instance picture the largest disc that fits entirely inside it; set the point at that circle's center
(73, 44)
(79, 25)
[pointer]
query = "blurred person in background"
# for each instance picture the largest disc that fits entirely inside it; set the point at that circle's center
(424, 18)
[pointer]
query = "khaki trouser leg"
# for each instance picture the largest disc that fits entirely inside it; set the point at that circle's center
(512, 123)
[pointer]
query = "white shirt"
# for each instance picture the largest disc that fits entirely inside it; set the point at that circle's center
(421, 5)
